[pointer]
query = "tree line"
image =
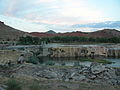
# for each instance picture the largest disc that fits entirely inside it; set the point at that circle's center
(72, 39)
(28, 40)
(65, 39)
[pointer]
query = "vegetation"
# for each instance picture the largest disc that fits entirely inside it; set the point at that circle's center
(33, 60)
(71, 39)
(34, 86)
(30, 83)
(29, 40)
(50, 63)
(13, 85)
(65, 39)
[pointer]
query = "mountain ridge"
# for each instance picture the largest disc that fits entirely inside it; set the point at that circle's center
(51, 32)
(8, 33)
(105, 33)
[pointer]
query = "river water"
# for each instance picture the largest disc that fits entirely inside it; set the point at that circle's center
(73, 61)
(116, 62)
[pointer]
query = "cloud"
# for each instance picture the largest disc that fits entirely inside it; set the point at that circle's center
(81, 10)
(25, 14)
(44, 1)
(22, 24)
(54, 11)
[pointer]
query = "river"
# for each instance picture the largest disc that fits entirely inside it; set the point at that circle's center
(74, 61)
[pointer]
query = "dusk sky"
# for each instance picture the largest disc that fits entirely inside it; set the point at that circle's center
(58, 15)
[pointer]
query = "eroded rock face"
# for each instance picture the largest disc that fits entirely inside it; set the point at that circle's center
(96, 73)
(82, 51)
(70, 51)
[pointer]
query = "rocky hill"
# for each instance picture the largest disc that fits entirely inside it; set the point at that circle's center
(106, 33)
(51, 32)
(8, 33)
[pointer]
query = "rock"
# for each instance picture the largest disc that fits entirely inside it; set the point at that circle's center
(3, 87)
(96, 73)
(79, 78)
(66, 80)
(52, 75)
(72, 74)
(111, 73)
(111, 76)
(85, 71)
(92, 77)
(117, 71)
(97, 68)
(47, 74)
(21, 59)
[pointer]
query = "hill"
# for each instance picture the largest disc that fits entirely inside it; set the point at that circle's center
(8, 33)
(51, 32)
(38, 34)
(106, 33)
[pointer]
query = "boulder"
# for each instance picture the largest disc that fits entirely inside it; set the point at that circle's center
(47, 74)
(79, 78)
(97, 68)
(96, 73)
(117, 71)
(3, 87)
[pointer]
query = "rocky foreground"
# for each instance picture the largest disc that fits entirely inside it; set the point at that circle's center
(96, 73)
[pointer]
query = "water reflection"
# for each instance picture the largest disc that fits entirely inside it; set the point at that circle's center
(116, 62)
(70, 61)
(73, 61)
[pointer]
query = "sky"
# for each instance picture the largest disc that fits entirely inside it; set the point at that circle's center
(44, 15)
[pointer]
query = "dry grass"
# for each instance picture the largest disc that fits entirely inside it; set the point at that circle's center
(6, 55)
(30, 83)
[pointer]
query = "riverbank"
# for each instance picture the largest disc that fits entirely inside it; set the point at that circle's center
(61, 77)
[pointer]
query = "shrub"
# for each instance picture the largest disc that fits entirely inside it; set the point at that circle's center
(13, 85)
(33, 60)
(34, 86)
(50, 63)
(4, 67)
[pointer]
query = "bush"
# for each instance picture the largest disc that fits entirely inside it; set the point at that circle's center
(50, 63)
(28, 40)
(13, 85)
(34, 86)
(33, 60)
(4, 67)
